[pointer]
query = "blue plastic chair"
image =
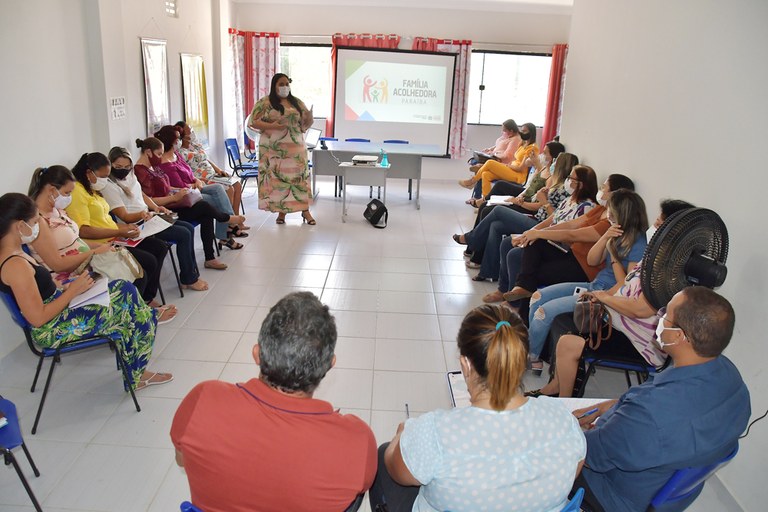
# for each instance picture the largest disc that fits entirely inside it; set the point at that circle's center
(396, 141)
(357, 140)
(249, 155)
(244, 171)
(189, 507)
(592, 361)
(10, 439)
(353, 507)
(686, 482)
(64, 348)
(575, 504)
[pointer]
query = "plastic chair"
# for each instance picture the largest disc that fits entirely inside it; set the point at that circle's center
(686, 482)
(592, 361)
(10, 439)
(64, 348)
(189, 507)
(357, 140)
(575, 504)
(249, 154)
(241, 170)
(396, 141)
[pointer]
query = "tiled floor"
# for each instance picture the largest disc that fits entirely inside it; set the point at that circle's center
(398, 296)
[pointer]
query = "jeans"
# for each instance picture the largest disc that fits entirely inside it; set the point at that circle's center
(217, 196)
(488, 234)
(511, 260)
(182, 233)
(555, 300)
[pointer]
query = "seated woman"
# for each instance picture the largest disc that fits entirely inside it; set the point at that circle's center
(502, 453)
(91, 213)
(560, 255)
(45, 306)
(488, 235)
(514, 171)
(578, 228)
(156, 185)
(180, 175)
(620, 250)
(205, 170)
(129, 204)
(502, 151)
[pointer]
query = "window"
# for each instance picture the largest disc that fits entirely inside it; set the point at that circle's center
(309, 67)
(508, 85)
(172, 8)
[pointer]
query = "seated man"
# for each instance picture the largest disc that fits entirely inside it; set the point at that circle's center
(267, 444)
(689, 415)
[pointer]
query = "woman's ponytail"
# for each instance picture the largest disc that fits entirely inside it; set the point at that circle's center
(506, 361)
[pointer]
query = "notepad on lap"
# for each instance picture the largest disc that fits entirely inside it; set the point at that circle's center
(498, 199)
(98, 294)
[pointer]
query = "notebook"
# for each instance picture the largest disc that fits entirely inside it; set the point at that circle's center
(312, 137)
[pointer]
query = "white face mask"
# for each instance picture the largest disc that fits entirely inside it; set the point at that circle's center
(649, 234)
(543, 160)
(61, 202)
(283, 91)
(28, 239)
(601, 199)
(660, 330)
(177, 145)
(569, 186)
(100, 184)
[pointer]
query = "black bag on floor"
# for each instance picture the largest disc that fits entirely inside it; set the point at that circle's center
(374, 212)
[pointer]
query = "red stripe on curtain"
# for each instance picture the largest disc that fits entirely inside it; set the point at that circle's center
(555, 93)
(354, 40)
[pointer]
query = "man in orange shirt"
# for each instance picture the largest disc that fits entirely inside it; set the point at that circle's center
(267, 444)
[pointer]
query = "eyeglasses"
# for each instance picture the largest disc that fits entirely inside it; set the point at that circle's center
(662, 314)
(572, 178)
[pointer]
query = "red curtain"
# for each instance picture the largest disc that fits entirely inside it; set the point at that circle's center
(555, 94)
(355, 40)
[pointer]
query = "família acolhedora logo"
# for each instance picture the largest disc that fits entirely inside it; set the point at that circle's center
(376, 90)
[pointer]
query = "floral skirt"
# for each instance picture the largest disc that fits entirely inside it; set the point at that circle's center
(127, 316)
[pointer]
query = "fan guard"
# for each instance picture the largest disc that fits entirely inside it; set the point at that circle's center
(690, 248)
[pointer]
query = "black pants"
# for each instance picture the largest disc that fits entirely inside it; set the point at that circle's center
(204, 213)
(398, 498)
(150, 254)
(543, 265)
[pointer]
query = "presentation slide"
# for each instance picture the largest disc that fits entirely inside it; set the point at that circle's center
(394, 94)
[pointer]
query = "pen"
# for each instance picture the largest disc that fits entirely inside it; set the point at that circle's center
(591, 411)
(407, 412)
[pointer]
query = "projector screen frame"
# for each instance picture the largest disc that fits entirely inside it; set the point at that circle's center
(446, 153)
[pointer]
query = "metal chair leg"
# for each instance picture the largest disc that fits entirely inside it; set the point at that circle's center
(127, 377)
(176, 270)
(162, 295)
(410, 189)
(37, 373)
(629, 378)
(55, 360)
(10, 459)
(29, 458)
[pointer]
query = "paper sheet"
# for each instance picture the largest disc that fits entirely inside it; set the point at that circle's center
(97, 294)
(499, 199)
(151, 227)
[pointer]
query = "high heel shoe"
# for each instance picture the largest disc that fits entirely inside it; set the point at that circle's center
(280, 218)
(306, 217)
(230, 243)
(236, 231)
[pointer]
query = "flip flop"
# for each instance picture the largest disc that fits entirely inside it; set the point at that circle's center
(162, 378)
(198, 286)
(162, 317)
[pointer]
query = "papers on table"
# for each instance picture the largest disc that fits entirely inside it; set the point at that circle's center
(151, 227)
(579, 403)
(499, 199)
(97, 294)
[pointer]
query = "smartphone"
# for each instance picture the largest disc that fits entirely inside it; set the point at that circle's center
(579, 290)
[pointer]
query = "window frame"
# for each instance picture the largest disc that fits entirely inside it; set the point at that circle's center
(311, 45)
(498, 52)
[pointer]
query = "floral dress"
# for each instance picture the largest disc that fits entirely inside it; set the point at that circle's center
(197, 159)
(127, 317)
(283, 171)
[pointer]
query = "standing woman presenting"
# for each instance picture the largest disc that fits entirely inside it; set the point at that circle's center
(282, 120)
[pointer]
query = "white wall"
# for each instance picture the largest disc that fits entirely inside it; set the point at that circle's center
(63, 59)
(672, 94)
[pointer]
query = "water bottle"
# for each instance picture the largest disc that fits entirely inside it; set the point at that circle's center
(384, 159)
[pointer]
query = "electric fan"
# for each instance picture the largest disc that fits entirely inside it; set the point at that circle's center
(690, 248)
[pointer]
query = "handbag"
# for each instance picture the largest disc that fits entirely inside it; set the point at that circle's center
(593, 319)
(374, 212)
(187, 201)
(115, 264)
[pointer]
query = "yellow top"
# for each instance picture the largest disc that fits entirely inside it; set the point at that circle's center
(523, 152)
(90, 210)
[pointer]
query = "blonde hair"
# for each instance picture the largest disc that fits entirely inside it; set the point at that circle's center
(495, 341)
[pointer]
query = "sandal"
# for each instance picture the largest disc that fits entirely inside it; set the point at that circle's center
(155, 379)
(471, 264)
(166, 314)
(516, 294)
(198, 286)
(215, 265)
(536, 367)
(280, 218)
(307, 217)
(468, 184)
(230, 244)
(457, 239)
(494, 297)
(236, 231)
(479, 278)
